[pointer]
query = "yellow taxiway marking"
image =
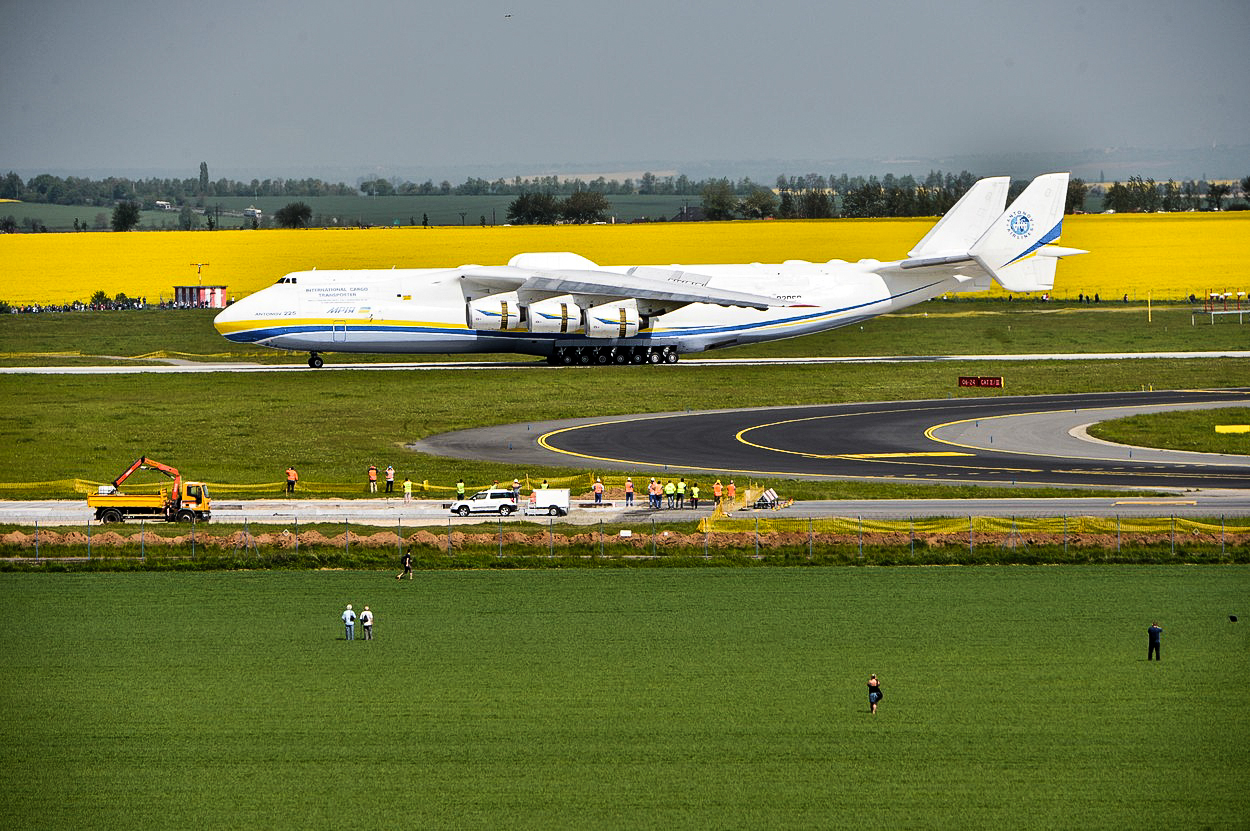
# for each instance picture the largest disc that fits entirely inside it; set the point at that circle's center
(900, 455)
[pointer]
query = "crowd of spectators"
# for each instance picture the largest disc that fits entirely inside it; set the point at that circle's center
(115, 305)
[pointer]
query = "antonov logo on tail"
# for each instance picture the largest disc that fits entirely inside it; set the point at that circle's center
(1020, 224)
(570, 310)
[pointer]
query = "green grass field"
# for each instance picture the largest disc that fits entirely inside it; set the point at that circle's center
(1192, 430)
(1015, 698)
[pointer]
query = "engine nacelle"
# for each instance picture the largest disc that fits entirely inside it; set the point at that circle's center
(495, 312)
(618, 319)
(559, 315)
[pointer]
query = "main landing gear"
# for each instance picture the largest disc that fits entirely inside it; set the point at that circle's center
(601, 355)
(314, 360)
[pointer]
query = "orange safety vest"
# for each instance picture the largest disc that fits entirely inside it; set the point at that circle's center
(373, 474)
(598, 487)
(291, 475)
(629, 486)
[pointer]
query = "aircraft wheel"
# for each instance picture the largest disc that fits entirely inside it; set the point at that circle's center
(638, 356)
(602, 357)
(654, 358)
(566, 357)
(315, 361)
(583, 357)
(111, 515)
(620, 357)
(463, 510)
(670, 357)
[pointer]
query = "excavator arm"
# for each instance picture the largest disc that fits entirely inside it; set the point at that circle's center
(144, 463)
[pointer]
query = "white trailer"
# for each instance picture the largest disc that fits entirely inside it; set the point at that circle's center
(549, 501)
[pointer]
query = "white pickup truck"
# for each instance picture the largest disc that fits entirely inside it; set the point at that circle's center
(501, 502)
(549, 501)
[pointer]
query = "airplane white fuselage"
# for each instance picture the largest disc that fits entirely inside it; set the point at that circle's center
(425, 310)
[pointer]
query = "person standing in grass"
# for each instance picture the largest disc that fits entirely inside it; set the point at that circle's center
(366, 623)
(1156, 633)
(390, 478)
(874, 693)
(292, 476)
(407, 489)
(406, 562)
(373, 478)
(349, 621)
(694, 495)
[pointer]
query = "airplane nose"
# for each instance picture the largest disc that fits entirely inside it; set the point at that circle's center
(228, 320)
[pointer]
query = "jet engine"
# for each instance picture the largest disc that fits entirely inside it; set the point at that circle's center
(495, 312)
(618, 319)
(558, 315)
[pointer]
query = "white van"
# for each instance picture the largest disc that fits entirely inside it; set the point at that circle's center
(549, 501)
(500, 501)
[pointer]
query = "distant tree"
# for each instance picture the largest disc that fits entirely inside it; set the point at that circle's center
(1245, 188)
(1216, 191)
(534, 209)
(1075, 200)
(719, 200)
(758, 204)
(293, 215)
(203, 178)
(586, 206)
(99, 298)
(186, 218)
(8, 225)
(125, 216)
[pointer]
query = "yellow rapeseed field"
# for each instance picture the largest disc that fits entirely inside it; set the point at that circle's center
(1168, 256)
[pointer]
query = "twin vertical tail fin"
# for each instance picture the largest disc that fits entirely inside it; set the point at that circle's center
(1016, 249)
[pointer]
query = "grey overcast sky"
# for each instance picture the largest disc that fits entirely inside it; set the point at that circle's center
(131, 85)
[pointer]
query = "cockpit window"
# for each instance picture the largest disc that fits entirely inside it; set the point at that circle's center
(289, 280)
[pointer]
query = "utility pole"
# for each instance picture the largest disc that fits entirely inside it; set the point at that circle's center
(199, 272)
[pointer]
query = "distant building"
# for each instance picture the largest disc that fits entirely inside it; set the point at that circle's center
(253, 212)
(161, 205)
(200, 297)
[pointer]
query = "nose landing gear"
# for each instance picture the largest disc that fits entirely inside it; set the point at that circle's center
(315, 361)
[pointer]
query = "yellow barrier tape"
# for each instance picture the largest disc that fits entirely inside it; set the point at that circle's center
(963, 525)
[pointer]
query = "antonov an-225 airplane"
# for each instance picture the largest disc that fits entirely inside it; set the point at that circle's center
(572, 311)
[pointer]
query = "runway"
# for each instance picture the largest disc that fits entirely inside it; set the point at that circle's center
(1021, 440)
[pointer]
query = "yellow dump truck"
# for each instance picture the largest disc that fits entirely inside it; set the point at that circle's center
(186, 502)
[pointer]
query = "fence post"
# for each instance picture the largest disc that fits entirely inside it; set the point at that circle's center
(809, 538)
(861, 536)
(1117, 533)
(1221, 536)
(911, 532)
(297, 536)
(347, 538)
(36, 540)
(757, 538)
(551, 537)
(500, 537)
(399, 533)
(1065, 535)
(705, 533)
(601, 538)
(448, 536)
(970, 552)
(193, 538)
(652, 536)
(88, 540)
(143, 540)
(1173, 535)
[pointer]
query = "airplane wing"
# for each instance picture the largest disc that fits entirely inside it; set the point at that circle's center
(670, 288)
(657, 286)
